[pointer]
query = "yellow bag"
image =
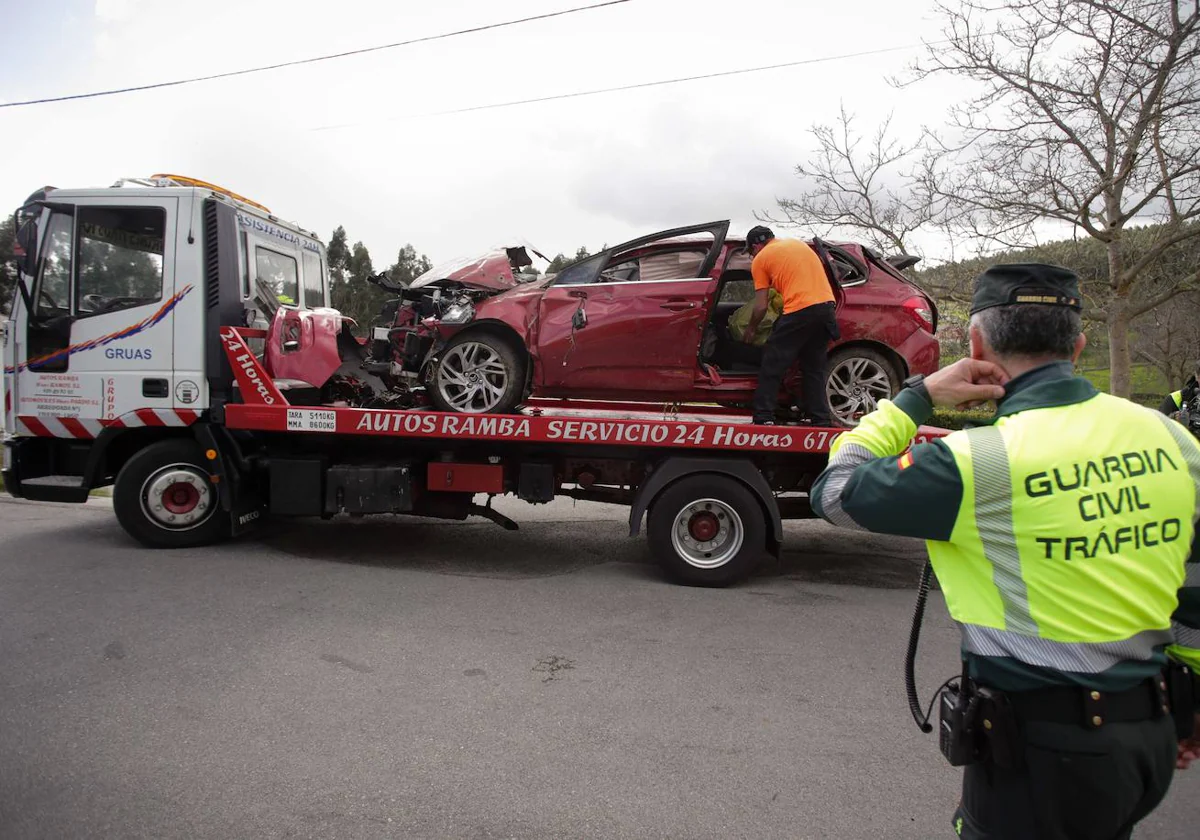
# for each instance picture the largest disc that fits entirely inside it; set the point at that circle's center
(741, 317)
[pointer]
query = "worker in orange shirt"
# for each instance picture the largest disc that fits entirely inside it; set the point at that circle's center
(802, 332)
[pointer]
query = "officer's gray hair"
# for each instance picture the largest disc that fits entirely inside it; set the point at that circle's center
(1030, 330)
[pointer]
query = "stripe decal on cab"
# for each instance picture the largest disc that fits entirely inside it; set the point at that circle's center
(92, 343)
(79, 428)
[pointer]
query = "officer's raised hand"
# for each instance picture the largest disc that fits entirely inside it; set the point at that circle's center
(966, 384)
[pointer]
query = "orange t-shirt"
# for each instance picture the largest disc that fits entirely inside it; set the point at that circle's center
(794, 270)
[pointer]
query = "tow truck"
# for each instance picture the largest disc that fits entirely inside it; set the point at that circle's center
(162, 339)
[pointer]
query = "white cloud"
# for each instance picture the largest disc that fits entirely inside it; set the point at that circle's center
(563, 173)
(115, 10)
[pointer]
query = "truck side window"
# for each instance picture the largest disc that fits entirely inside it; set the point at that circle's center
(314, 280)
(53, 296)
(278, 272)
(120, 258)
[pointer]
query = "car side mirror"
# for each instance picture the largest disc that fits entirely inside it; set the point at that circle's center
(579, 319)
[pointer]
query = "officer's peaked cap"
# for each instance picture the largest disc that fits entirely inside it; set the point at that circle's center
(1017, 283)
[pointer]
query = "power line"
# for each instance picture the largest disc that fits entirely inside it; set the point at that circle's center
(637, 86)
(315, 59)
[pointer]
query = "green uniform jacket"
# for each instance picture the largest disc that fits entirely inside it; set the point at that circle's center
(1062, 532)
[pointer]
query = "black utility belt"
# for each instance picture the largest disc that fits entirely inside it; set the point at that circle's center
(1092, 709)
(982, 724)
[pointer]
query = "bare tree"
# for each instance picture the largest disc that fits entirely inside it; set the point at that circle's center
(1169, 339)
(861, 184)
(1089, 115)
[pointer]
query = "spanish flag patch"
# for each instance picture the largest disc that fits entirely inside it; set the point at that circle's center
(905, 461)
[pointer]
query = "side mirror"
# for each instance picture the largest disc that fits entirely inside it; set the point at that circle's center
(26, 250)
(579, 319)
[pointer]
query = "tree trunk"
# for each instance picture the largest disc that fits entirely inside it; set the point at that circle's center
(1120, 368)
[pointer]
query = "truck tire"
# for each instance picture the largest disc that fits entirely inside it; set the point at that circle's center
(478, 373)
(707, 530)
(163, 497)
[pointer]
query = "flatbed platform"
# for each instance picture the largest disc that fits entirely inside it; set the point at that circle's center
(596, 422)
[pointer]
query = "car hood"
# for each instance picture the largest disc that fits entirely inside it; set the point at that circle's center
(497, 270)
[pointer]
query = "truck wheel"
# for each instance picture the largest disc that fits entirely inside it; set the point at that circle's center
(478, 373)
(707, 530)
(164, 499)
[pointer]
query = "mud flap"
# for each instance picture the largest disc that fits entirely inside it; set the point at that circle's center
(228, 470)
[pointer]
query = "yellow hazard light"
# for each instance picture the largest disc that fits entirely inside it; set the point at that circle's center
(184, 181)
(211, 454)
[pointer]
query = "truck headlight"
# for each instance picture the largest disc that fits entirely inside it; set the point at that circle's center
(458, 313)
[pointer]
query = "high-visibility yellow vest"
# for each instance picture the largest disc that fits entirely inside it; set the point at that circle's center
(1177, 398)
(1076, 523)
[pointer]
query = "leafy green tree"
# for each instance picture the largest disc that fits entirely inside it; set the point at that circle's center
(370, 298)
(350, 267)
(337, 253)
(561, 261)
(360, 264)
(408, 266)
(352, 294)
(8, 265)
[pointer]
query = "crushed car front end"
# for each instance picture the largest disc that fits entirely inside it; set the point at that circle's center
(427, 313)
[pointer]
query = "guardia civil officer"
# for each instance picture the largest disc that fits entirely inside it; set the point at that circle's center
(1175, 400)
(1061, 534)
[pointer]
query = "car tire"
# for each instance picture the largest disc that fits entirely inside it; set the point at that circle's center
(163, 497)
(858, 378)
(715, 507)
(478, 373)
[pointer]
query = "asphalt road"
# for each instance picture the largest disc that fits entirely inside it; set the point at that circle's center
(394, 679)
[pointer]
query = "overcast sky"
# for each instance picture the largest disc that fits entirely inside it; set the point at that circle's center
(353, 141)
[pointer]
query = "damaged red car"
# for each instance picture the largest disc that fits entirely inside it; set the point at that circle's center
(642, 321)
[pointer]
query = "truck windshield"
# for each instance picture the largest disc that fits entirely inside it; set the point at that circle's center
(314, 280)
(278, 272)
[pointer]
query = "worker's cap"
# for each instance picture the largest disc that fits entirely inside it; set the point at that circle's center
(758, 235)
(1017, 283)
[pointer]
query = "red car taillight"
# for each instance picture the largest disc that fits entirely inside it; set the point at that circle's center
(921, 311)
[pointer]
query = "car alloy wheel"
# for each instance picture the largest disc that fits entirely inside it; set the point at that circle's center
(856, 385)
(472, 378)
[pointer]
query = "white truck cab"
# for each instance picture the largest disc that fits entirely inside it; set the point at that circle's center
(119, 301)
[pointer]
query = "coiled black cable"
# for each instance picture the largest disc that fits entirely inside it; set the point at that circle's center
(910, 657)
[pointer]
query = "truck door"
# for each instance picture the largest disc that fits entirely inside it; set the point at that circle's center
(98, 341)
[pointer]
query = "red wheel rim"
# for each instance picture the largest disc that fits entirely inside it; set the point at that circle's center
(180, 498)
(703, 526)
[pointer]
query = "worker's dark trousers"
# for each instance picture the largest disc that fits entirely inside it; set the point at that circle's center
(1077, 783)
(802, 335)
